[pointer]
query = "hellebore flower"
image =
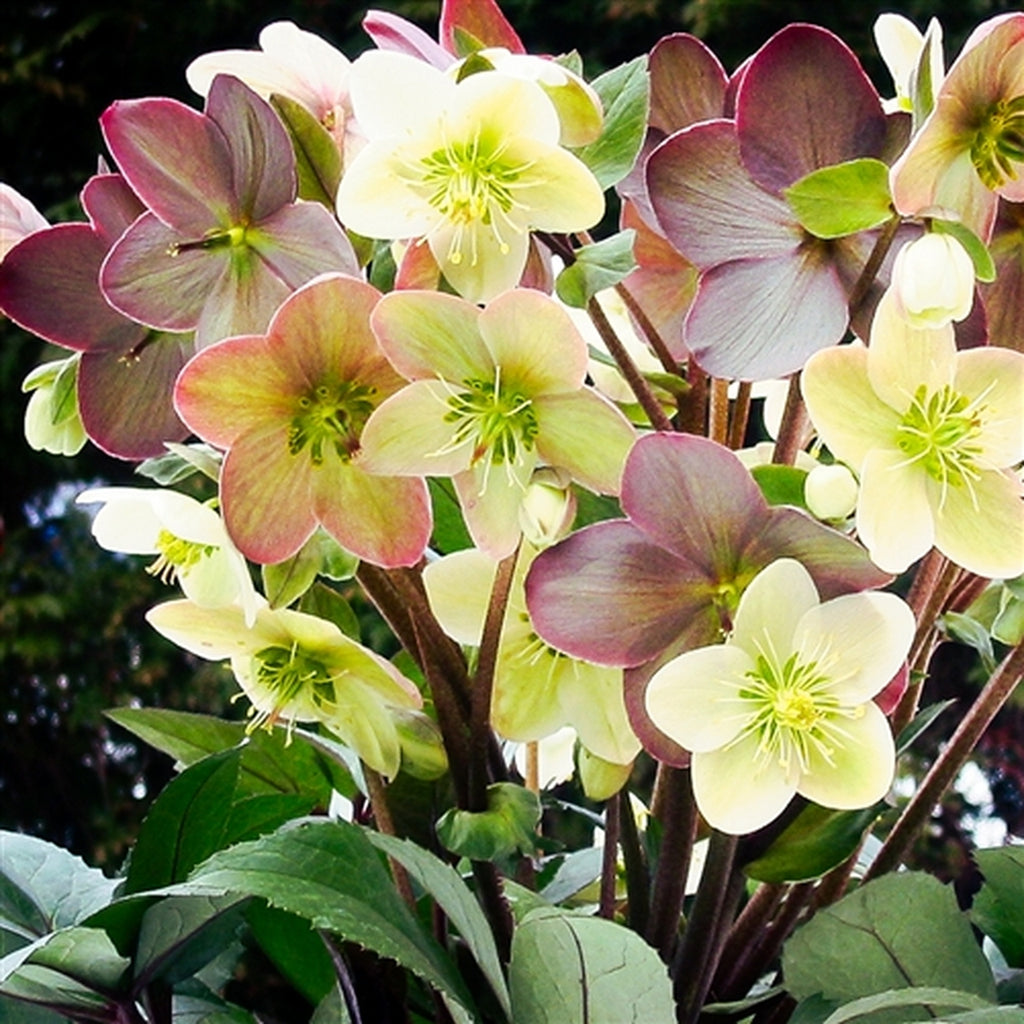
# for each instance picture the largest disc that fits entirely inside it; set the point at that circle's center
(289, 407)
(52, 421)
(494, 394)
(934, 435)
(294, 63)
(49, 284)
(537, 690)
(785, 706)
(971, 148)
(223, 242)
(295, 667)
(189, 538)
(933, 281)
(769, 292)
(470, 167)
(18, 219)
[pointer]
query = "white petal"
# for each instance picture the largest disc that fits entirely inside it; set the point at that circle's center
(994, 379)
(771, 606)
(595, 705)
(216, 633)
(395, 96)
(459, 589)
(127, 521)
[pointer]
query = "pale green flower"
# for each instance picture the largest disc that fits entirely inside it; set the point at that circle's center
(784, 706)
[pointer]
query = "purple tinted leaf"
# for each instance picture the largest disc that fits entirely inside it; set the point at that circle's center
(687, 83)
(805, 103)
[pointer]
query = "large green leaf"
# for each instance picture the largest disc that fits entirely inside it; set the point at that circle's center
(331, 874)
(584, 970)
(625, 96)
(998, 908)
(842, 199)
(898, 931)
(932, 997)
(597, 266)
(509, 825)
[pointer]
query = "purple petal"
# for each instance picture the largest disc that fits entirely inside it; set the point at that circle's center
(612, 596)
(760, 319)
(708, 206)
(176, 160)
(241, 300)
(126, 403)
(111, 205)
(687, 83)
(262, 159)
(390, 32)
(805, 103)
(301, 241)
(49, 284)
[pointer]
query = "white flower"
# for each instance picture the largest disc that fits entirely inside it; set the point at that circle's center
(189, 538)
(901, 46)
(933, 281)
(785, 705)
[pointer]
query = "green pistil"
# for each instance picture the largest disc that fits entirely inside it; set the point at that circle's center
(331, 414)
(176, 555)
(998, 143)
(283, 674)
(940, 432)
(500, 423)
(217, 239)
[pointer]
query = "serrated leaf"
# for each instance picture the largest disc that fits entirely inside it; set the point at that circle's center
(584, 970)
(781, 485)
(984, 265)
(817, 841)
(509, 825)
(331, 874)
(897, 931)
(625, 95)
(600, 265)
(317, 160)
(457, 902)
(998, 909)
(842, 199)
(929, 997)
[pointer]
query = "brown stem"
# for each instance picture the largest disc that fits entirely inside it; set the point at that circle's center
(634, 378)
(740, 415)
(793, 430)
(609, 860)
(694, 404)
(377, 792)
(668, 362)
(718, 411)
(746, 930)
(861, 287)
(948, 763)
(638, 881)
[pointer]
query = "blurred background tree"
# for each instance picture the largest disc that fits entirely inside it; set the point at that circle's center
(72, 636)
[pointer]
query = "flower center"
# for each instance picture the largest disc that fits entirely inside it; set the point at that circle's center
(330, 414)
(940, 431)
(281, 675)
(998, 143)
(500, 424)
(176, 556)
(216, 239)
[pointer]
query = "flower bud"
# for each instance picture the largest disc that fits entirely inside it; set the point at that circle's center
(423, 753)
(601, 779)
(830, 491)
(548, 507)
(52, 423)
(933, 281)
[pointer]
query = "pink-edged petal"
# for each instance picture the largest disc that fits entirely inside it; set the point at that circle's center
(111, 205)
(756, 319)
(859, 769)
(687, 83)
(300, 241)
(430, 335)
(771, 607)
(981, 527)
(1004, 297)
(582, 432)
(383, 520)
(408, 435)
(490, 495)
(265, 493)
(49, 284)
(894, 515)
(235, 387)
(476, 22)
(995, 378)
(714, 503)
(390, 32)
(805, 103)
(695, 700)
(144, 281)
(738, 790)
(534, 341)
(175, 159)
(708, 206)
(849, 417)
(262, 161)
(241, 301)
(126, 403)
(610, 595)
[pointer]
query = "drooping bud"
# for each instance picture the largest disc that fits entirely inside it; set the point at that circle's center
(933, 281)
(548, 507)
(830, 492)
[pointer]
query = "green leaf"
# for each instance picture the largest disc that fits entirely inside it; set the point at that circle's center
(295, 948)
(930, 997)
(969, 631)
(331, 874)
(584, 970)
(578, 870)
(332, 1009)
(451, 894)
(922, 88)
(1008, 626)
(594, 508)
(285, 582)
(317, 160)
(508, 825)
(598, 266)
(842, 199)
(326, 603)
(897, 931)
(625, 95)
(984, 265)
(336, 563)
(180, 462)
(14, 1011)
(921, 723)
(781, 485)
(450, 533)
(64, 403)
(817, 841)
(197, 1005)
(998, 909)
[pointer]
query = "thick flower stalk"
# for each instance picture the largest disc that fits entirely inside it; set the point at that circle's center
(289, 407)
(494, 394)
(935, 436)
(784, 706)
(469, 167)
